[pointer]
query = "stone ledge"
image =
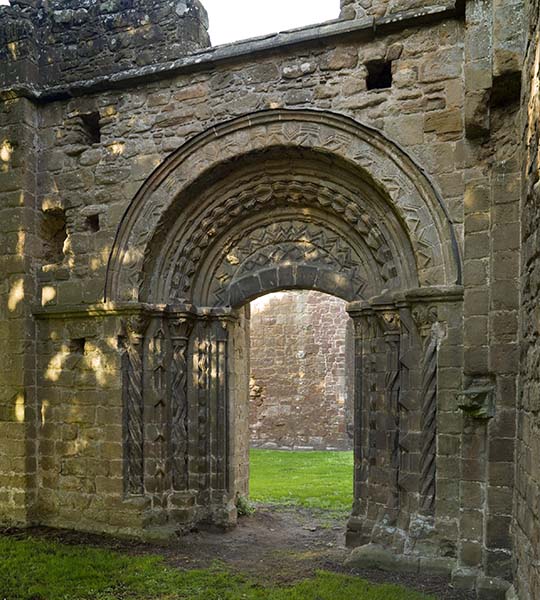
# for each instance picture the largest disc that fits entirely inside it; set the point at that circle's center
(208, 58)
(113, 309)
(374, 556)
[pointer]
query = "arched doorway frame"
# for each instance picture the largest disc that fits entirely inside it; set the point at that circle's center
(390, 169)
(194, 339)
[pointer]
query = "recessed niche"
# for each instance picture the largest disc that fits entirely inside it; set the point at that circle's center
(77, 346)
(92, 127)
(379, 75)
(92, 223)
(53, 235)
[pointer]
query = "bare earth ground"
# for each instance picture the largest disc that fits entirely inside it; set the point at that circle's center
(272, 546)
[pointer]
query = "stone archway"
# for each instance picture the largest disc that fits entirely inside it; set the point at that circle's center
(271, 201)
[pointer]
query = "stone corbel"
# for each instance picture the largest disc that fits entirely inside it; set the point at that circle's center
(478, 402)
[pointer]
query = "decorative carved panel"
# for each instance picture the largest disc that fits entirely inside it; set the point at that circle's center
(402, 189)
(425, 317)
(181, 327)
(132, 348)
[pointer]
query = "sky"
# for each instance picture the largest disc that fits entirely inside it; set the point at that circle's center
(232, 20)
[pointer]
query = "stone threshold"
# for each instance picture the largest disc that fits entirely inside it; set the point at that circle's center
(209, 58)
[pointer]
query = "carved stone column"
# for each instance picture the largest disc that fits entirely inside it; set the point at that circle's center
(211, 356)
(132, 348)
(390, 321)
(156, 370)
(220, 407)
(358, 530)
(426, 318)
(410, 355)
(181, 326)
(202, 357)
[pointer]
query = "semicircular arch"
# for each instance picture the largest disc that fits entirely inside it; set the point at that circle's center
(311, 162)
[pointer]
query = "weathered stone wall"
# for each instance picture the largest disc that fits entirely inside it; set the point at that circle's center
(422, 111)
(301, 384)
(360, 9)
(437, 410)
(57, 42)
(526, 524)
(20, 243)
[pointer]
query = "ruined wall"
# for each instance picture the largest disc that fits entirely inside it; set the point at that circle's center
(301, 396)
(72, 163)
(54, 42)
(526, 525)
(421, 111)
(360, 9)
(20, 243)
(92, 182)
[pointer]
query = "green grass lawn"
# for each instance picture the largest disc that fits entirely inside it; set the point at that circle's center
(321, 480)
(32, 569)
(36, 569)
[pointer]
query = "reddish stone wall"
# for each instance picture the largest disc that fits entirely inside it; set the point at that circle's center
(300, 388)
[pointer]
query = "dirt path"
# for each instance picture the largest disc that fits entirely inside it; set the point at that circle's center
(272, 546)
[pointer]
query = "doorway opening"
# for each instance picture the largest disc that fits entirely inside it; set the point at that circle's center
(301, 401)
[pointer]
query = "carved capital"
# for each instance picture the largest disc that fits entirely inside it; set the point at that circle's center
(425, 316)
(390, 322)
(181, 327)
(134, 327)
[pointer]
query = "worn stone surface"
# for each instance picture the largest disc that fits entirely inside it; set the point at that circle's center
(301, 386)
(525, 523)
(56, 42)
(144, 203)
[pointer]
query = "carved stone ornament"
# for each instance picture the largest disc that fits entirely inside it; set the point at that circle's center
(181, 328)
(478, 402)
(390, 322)
(425, 316)
(420, 215)
(131, 346)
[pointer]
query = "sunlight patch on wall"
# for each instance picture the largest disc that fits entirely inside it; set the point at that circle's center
(21, 238)
(16, 295)
(117, 148)
(6, 152)
(19, 407)
(56, 364)
(94, 360)
(44, 407)
(48, 294)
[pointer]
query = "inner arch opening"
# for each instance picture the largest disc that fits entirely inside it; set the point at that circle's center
(301, 386)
